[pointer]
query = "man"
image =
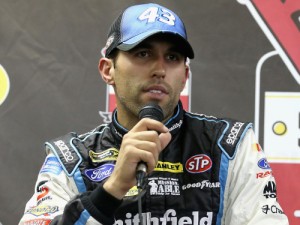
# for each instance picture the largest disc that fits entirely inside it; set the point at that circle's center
(199, 170)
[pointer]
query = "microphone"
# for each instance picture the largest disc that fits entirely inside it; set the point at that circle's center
(152, 111)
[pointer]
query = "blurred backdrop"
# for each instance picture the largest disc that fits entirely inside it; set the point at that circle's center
(246, 67)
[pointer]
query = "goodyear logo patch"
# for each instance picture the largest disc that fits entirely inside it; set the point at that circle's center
(110, 154)
(169, 167)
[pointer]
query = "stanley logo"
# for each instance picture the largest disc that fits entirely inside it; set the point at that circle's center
(169, 167)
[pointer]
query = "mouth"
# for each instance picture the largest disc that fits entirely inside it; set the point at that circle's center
(156, 91)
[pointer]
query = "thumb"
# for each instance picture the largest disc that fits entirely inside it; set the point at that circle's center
(164, 138)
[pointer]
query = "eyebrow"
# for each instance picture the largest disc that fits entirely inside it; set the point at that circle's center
(148, 45)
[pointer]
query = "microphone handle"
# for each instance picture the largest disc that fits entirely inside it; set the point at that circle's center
(153, 111)
(141, 171)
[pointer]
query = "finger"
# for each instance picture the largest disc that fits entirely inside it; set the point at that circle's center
(149, 124)
(134, 148)
(165, 139)
(153, 147)
(148, 158)
(149, 135)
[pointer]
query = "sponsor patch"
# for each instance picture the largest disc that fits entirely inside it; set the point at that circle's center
(263, 174)
(51, 165)
(201, 185)
(169, 167)
(43, 191)
(43, 195)
(37, 222)
(40, 201)
(163, 186)
(270, 190)
(169, 217)
(65, 150)
(42, 210)
(232, 136)
(100, 173)
(110, 154)
(198, 163)
(256, 147)
(175, 126)
(263, 164)
(273, 209)
(132, 192)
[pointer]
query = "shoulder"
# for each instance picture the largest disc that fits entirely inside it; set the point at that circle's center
(227, 132)
(71, 148)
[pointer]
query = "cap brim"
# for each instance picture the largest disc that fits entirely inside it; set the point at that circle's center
(133, 42)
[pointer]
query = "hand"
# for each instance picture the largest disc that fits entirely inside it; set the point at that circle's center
(143, 142)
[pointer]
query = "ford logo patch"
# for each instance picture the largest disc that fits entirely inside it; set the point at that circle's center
(263, 163)
(99, 173)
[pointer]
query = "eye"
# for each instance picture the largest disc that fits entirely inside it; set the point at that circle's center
(143, 53)
(174, 57)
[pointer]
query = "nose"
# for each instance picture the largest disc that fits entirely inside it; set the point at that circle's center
(159, 68)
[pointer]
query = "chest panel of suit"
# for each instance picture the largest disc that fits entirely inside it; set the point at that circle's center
(186, 177)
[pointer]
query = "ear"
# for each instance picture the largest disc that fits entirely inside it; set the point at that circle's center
(187, 73)
(105, 69)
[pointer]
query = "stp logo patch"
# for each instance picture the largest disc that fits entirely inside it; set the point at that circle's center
(198, 163)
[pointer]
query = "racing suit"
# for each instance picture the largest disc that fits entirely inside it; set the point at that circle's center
(212, 172)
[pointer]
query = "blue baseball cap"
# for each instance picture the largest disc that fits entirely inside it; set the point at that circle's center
(138, 22)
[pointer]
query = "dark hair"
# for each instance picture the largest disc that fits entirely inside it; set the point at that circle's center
(113, 56)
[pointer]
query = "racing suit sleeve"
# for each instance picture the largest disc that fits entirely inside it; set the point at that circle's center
(56, 200)
(250, 192)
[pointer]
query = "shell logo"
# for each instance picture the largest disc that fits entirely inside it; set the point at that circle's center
(4, 84)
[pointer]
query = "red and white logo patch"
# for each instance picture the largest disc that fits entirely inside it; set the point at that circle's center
(198, 163)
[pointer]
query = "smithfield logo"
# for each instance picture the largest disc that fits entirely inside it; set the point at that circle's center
(263, 164)
(169, 217)
(100, 173)
(198, 163)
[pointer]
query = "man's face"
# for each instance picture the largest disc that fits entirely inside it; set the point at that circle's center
(154, 71)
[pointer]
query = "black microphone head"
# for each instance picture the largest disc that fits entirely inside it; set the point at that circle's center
(153, 111)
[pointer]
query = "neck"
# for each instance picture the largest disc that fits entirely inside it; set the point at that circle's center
(126, 118)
